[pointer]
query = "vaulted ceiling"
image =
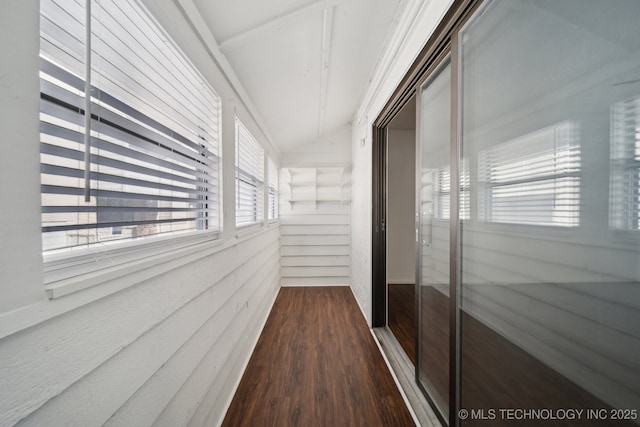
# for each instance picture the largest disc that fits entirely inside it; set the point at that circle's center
(305, 64)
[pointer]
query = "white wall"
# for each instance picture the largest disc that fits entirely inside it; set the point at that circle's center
(20, 161)
(161, 340)
(401, 181)
(414, 28)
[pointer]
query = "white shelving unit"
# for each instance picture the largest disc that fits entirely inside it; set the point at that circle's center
(315, 188)
(314, 224)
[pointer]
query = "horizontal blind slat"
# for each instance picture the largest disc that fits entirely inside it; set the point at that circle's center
(154, 154)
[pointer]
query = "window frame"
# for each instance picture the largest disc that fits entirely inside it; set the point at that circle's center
(273, 191)
(249, 173)
(64, 268)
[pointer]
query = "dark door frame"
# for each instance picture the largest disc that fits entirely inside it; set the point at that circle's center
(442, 42)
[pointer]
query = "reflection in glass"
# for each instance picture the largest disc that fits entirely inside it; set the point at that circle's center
(549, 282)
(625, 165)
(532, 179)
(434, 205)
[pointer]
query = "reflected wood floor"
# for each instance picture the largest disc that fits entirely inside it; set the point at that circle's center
(316, 364)
(497, 374)
(434, 344)
(401, 321)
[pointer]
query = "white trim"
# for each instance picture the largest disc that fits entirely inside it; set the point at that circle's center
(404, 20)
(369, 323)
(85, 280)
(200, 28)
(325, 61)
(248, 358)
(271, 26)
(248, 230)
(408, 16)
(80, 290)
(67, 263)
(396, 380)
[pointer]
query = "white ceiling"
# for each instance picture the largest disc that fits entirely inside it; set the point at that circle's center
(304, 64)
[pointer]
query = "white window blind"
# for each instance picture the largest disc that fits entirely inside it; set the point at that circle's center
(625, 165)
(154, 129)
(273, 189)
(249, 177)
(533, 179)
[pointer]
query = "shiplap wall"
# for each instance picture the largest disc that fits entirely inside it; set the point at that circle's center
(165, 352)
(314, 223)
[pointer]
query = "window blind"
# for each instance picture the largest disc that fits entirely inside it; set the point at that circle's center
(625, 165)
(154, 134)
(273, 189)
(533, 179)
(249, 177)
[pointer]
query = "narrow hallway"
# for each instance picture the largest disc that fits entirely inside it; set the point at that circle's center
(316, 364)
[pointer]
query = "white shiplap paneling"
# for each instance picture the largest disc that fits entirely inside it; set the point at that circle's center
(161, 335)
(314, 218)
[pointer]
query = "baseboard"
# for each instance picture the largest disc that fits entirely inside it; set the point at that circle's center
(248, 358)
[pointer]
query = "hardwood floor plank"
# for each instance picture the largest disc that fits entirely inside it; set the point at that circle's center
(316, 364)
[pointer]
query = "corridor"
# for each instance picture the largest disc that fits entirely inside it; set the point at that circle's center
(316, 364)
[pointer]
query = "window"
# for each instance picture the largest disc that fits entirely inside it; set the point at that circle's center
(273, 189)
(533, 179)
(249, 177)
(146, 162)
(625, 165)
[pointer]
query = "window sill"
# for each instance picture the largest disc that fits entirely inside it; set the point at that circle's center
(80, 287)
(95, 266)
(249, 229)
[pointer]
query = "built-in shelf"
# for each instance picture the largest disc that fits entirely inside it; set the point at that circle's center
(315, 187)
(314, 226)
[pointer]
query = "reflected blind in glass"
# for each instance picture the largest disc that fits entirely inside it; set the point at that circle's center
(443, 185)
(154, 156)
(625, 165)
(249, 177)
(273, 189)
(533, 179)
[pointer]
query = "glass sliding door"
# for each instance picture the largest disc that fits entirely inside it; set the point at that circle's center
(550, 246)
(433, 206)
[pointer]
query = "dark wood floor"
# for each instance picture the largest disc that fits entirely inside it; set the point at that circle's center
(401, 320)
(316, 364)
